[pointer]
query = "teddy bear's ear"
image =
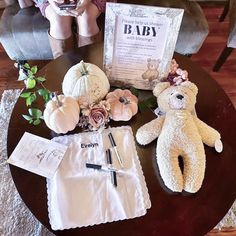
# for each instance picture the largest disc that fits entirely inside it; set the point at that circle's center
(160, 87)
(191, 86)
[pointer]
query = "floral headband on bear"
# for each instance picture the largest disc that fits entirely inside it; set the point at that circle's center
(176, 75)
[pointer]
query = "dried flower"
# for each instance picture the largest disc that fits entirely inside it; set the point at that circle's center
(95, 116)
(176, 75)
(173, 66)
(98, 116)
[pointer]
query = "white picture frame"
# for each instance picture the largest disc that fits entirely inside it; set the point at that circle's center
(126, 26)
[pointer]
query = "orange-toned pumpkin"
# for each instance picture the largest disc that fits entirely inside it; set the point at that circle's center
(123, 104)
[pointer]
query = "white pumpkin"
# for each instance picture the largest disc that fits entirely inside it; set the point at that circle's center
(61, 114)
(85, 82)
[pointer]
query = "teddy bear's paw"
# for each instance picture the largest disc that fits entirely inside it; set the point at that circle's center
(175, 185)
(176, 188)
(141, 138)
(218, 146)
(192, 188)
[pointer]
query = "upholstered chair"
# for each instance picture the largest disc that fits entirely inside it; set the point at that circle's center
(23, 32)
(231, 42)
(5, 3)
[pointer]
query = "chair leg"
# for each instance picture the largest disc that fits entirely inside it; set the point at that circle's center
(225, 11)
(221, 60)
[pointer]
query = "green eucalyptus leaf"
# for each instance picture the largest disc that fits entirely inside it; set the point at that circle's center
(28, 101)
(148, 103)
(31, 121)
(27, 117)
(46, 97)
(41, 92)
(34, 69)
(152, 102)
(35, 112)
(30, 73)
(30, 83)
(41, 79)
(37, 122)
(134, 91)
(27, 66)
(45, 94)
(25, 95)
(142, 107)
(31, 77)
(31, 99)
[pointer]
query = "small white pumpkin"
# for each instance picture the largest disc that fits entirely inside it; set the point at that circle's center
(61, 114)
(85, 82)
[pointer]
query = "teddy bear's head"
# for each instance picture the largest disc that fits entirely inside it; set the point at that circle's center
(153, 64)
(180, 97)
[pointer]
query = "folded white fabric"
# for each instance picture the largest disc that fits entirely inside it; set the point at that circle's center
(79, 196)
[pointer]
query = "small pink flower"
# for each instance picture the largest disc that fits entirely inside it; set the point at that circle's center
(98, 116)
(173, 66)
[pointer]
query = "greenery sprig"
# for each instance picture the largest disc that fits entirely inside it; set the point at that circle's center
(34, 88)
(148, 103)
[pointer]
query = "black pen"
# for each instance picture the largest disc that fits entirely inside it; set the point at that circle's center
(112, 173)
(100, 167)
(113, 144)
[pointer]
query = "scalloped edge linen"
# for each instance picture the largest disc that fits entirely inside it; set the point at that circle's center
(101, 215)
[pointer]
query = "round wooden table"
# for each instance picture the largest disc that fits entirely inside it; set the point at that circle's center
(170, 214)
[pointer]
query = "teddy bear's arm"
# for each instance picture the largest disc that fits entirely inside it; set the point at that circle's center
(209, 135)
(150, 131)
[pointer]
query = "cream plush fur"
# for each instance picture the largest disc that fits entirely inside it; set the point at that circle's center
(179, 134)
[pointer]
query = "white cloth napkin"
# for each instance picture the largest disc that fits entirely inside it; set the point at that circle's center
(78, 196)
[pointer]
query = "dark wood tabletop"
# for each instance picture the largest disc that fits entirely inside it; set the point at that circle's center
(170, 214)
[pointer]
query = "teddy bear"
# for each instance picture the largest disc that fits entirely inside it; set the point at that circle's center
(180, 133)
(152, 70)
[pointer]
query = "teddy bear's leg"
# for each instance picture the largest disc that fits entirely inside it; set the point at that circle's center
(194, 169)
(167, 160)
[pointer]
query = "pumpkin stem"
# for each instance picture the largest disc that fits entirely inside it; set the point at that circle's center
(124, 100)
(83, 70)
(59, 104)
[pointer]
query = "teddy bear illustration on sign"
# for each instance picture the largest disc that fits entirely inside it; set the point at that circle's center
(179, 134)
(152, 72)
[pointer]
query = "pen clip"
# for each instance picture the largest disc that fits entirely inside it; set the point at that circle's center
(113, 178)
(108, 155)
(111, 138)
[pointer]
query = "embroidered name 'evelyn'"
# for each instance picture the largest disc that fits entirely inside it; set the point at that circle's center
(89, 145)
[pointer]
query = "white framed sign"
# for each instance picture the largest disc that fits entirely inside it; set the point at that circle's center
(139, 43)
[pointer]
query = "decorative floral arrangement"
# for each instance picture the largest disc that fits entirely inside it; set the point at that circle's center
(119, 105)
(95, 116)
(176, 75)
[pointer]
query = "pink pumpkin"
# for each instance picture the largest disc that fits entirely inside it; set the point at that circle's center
(123, 104)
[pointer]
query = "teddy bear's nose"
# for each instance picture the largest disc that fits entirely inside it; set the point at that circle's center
(180, 97)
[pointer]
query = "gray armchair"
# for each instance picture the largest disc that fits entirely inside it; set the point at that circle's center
(231, 42)
(23, 33)
(194, 28)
